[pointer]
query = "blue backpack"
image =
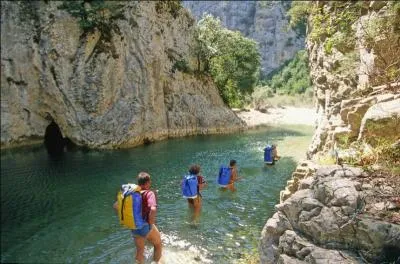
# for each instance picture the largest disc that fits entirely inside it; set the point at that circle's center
(189, 186)
(268, 157)
(224, 176)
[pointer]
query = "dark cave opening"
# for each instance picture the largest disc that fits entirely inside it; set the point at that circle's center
(53, 139)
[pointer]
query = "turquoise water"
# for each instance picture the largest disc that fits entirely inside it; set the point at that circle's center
(60, 211)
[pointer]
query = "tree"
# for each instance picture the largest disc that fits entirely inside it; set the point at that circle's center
(206, 34)
(232, 59)
(293, 77)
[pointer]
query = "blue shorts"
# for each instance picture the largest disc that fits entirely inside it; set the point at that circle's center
(143, 232)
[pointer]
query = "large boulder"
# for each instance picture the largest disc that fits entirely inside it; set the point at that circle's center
(381, 120)
(318, 223)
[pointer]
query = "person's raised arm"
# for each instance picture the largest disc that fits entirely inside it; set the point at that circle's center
(235, 175)
(202, 183)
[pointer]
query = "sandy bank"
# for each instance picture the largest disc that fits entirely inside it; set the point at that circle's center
(276, 116)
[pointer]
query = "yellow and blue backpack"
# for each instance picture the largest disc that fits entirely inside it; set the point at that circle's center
(130, 206)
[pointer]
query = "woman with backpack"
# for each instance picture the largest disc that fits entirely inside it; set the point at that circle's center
(196, 181)
(228, 176)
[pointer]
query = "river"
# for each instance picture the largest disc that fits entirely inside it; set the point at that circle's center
(60, 210)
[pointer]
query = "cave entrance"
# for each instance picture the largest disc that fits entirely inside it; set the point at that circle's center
(53, 139)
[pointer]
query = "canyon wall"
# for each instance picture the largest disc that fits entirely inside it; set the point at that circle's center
(339, 213)
(110, 87)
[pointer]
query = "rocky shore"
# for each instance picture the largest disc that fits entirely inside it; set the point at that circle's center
(329, 213)
(334, 214)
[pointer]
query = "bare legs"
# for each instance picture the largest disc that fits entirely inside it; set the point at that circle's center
(154, 238)
(195, 205)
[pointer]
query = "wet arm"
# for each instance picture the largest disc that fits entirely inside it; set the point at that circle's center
(115, 206)
(234, 175)
(152, 203)
(202, 184)
(152, 215)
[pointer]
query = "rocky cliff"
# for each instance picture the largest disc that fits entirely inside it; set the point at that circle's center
(331, 218)
(265, 22)
(339, 213)
(353, 102)
(107, 87)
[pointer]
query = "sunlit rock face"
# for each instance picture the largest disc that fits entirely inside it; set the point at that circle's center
(263, 21)
(329, 213)
(104, 88)
(318, 223)
(346, 97)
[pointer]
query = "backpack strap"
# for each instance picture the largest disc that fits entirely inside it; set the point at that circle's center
(122, 207)
(144, 195)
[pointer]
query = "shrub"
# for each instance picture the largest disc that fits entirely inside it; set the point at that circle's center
(95, 14)
(181, 65)
(171, 6)
(292, 78)
(232, 60)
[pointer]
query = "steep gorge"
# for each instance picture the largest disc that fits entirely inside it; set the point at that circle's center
(340, 213)
(109, 88)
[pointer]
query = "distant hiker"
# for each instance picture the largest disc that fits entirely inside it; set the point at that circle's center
(192, 184)
(228, 176)
(136, 206)
(270, 154)
(275, 153)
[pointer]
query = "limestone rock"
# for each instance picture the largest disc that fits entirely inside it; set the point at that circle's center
(342, 84)
(381, 120)
(103, 92)
(320, 223)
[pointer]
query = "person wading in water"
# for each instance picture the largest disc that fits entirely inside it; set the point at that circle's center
(148, 230)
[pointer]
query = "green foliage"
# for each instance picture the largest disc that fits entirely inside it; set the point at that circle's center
(260, 96)
(181, 65)
(263, 97)
(334, 17)
(388, 152)
(348, 64)
(328, 19)
(232, 60)
(385, 153)
(94, 14)
(171, 6)
(207, 39)
(382, 35)
(328, 45)
(298, 13)
(292, 78)
(344, 140)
